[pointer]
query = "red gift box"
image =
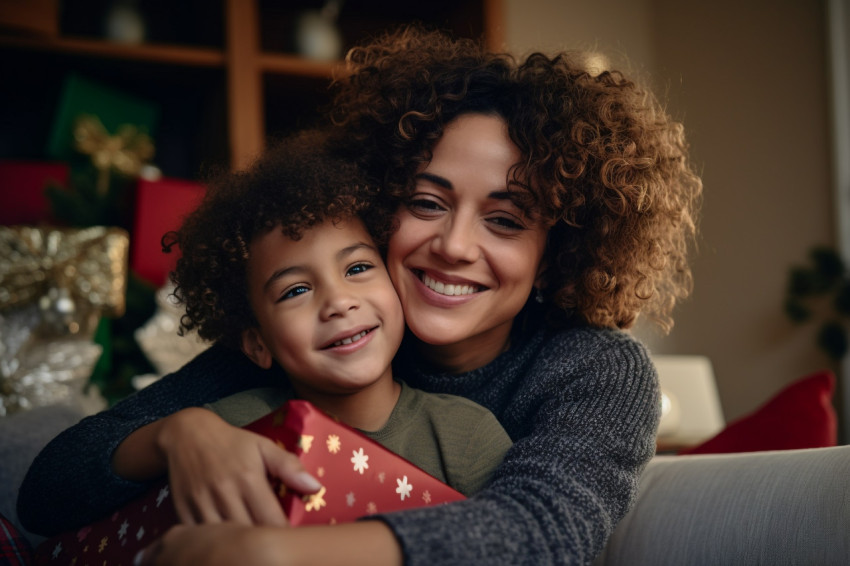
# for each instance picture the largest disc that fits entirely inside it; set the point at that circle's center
(359, 477)
(161, 206)
(22, 186)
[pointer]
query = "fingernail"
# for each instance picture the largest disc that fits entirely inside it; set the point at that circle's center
(309, 482)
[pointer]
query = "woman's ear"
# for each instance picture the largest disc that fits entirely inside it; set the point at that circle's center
(541, 270)
(255, 348)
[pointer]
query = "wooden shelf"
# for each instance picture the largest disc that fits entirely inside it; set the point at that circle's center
(235, 76)
(167, 54)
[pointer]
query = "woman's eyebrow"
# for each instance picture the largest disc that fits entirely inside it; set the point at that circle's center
(446, 184)
(436, 179)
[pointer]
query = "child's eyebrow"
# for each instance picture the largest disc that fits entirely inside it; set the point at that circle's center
(348, 250)
(340, 255)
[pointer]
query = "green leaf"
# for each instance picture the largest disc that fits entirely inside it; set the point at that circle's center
(833, 339)
(797, 311)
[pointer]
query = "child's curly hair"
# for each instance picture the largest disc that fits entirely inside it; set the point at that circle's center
(607, 167)
(297, 184)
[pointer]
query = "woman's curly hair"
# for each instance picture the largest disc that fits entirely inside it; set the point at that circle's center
(606, 167)
(298, 183)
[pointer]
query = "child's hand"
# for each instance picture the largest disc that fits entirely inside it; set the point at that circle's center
(219, 472)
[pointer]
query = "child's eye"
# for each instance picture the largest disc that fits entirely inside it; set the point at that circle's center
(358, 268)
(293, 292)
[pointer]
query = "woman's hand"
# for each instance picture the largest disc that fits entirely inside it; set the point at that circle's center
(217, 472)
(223, 544)
(364, 543)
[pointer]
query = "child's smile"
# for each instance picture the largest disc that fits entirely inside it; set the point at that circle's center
(326, 310)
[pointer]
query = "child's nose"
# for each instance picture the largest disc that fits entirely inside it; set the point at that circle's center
(338, 303)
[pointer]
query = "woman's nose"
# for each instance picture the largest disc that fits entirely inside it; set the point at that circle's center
(456, 242)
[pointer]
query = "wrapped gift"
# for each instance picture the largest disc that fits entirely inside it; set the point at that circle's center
(114, 108)
(359, 477)
(22, 190)
(55, 284)
(160, 207)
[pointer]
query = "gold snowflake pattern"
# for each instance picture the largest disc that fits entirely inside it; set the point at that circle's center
(102, 546)
(320, 472)
(315, 501)
(334, 445)
(371, 508)
(382, 476)
(426, 497)
(305, 442)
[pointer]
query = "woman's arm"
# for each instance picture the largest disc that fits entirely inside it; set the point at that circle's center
(72, 481)
(368, 543)
(584, 414)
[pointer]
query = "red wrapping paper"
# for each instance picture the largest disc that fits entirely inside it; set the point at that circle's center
(160, 207)
(359, 477)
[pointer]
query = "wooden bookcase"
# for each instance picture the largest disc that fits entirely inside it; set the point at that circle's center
(222, 71)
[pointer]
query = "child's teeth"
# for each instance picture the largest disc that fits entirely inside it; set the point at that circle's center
(354, 338)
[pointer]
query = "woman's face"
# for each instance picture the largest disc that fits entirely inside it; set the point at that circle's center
(466, 256)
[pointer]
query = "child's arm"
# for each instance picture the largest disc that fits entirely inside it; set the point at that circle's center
(366, 543)
(217, 472)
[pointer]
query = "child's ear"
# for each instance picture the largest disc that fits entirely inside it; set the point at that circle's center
(255, 348)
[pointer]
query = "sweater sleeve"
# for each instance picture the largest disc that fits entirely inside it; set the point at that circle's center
(71, 482)
(568, 479)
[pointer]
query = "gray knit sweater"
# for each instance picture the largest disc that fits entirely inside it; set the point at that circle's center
(580, 404)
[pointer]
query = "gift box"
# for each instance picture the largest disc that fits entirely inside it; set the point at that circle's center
(161, 206)
(22, 186)
(359, 477)
(113, 108)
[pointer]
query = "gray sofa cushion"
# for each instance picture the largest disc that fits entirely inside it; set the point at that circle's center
(22, 436)
(783, 507)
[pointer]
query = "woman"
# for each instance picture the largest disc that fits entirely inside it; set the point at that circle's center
(545, 208)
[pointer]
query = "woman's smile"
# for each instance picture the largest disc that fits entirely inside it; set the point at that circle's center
(466, 255)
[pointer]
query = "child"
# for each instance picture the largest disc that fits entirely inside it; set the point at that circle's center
(278, 261)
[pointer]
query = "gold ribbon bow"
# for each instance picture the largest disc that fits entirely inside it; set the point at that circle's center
(124, 152)
(75, 273)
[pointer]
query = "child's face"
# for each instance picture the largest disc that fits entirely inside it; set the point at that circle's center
(326, 308)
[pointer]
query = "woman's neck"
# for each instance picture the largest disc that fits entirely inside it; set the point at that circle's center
(465, 356)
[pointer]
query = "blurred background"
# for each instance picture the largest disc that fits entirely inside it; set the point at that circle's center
(757, 83)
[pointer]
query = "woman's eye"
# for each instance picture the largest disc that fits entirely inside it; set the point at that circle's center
(506, 223)
(359, 268)
(424, 206)
(294, 292)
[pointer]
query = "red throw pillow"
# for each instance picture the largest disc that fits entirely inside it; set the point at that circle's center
(799, 416)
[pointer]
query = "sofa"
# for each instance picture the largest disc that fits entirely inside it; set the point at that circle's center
(778, 507)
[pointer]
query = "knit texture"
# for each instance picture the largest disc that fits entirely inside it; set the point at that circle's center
(581, 405)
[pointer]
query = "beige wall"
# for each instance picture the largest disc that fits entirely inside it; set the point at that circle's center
(748, 79)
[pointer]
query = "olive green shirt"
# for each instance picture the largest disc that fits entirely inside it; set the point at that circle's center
(452, 438)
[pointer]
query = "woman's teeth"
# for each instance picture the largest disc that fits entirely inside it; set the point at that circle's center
(448, 288)
(354, 338)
